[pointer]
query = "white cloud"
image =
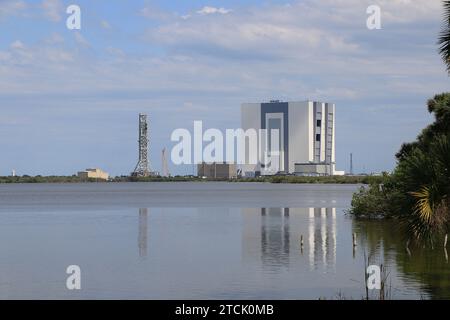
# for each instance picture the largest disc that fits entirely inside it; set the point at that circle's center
(17, 45)
(53, 9)
(13, 121)
(212, 10)
(295, 51)
(81, 40)
(115, 52)
(11, 7)
(155, 13)
(350, 11)
(55, 38)
(105, 24)
(281, 31)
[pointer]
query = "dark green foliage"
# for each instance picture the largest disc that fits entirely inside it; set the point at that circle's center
(369, 202)
(267, 179)
(418, 191)
(157, 179)
(323, 179)
(40, 179)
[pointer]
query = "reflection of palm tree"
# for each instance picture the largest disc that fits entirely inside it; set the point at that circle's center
(444, 39)
(427, 267)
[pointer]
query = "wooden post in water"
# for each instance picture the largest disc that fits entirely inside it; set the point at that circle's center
(354, 245)
(301, 244)
(407, 248)
(445, 254)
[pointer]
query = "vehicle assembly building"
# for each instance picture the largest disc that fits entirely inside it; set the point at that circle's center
(306, 136)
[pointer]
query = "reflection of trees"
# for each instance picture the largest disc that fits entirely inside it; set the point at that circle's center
(426, 265)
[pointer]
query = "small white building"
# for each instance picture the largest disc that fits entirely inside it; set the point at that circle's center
(306, 135)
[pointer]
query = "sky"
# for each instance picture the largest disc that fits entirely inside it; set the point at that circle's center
(70, 99)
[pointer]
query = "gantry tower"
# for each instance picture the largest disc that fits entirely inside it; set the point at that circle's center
(142, 167)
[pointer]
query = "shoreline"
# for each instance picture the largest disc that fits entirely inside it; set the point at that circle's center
(355, 179)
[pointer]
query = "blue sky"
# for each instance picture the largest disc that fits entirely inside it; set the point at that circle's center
(70, 99)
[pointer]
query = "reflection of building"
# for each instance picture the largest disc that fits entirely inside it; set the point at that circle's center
(266, 237)
(142, 235)
(93, 174)
(272, 236)
(275, 242)
(306, 136)
(217, 170)
(322, 237)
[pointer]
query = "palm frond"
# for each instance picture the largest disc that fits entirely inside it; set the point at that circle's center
(423, 207)
(444, 38)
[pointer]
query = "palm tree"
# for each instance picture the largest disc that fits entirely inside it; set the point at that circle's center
(431, 210)
(444, 39)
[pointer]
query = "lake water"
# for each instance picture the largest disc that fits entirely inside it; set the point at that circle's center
(202, 241)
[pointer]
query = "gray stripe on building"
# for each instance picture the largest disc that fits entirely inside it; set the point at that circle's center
(278, 107)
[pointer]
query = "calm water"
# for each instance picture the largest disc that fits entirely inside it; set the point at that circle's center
(202, 241)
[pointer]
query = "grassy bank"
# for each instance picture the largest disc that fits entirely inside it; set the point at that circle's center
(322, 179)
(40, 179)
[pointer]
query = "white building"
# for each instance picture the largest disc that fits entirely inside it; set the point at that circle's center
(306, 136)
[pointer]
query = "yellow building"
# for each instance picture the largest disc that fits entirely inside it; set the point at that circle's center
(93, 174)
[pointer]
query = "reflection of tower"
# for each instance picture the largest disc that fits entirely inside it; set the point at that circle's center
(322, 237)
(142, 167)
(165, 167)
(142, 236)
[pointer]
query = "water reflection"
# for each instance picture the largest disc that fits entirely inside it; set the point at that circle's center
(142, 234)
(322, 237)
(275, 239)
(274, 234)
(270, 242)
(415, 264)
(205, 246)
